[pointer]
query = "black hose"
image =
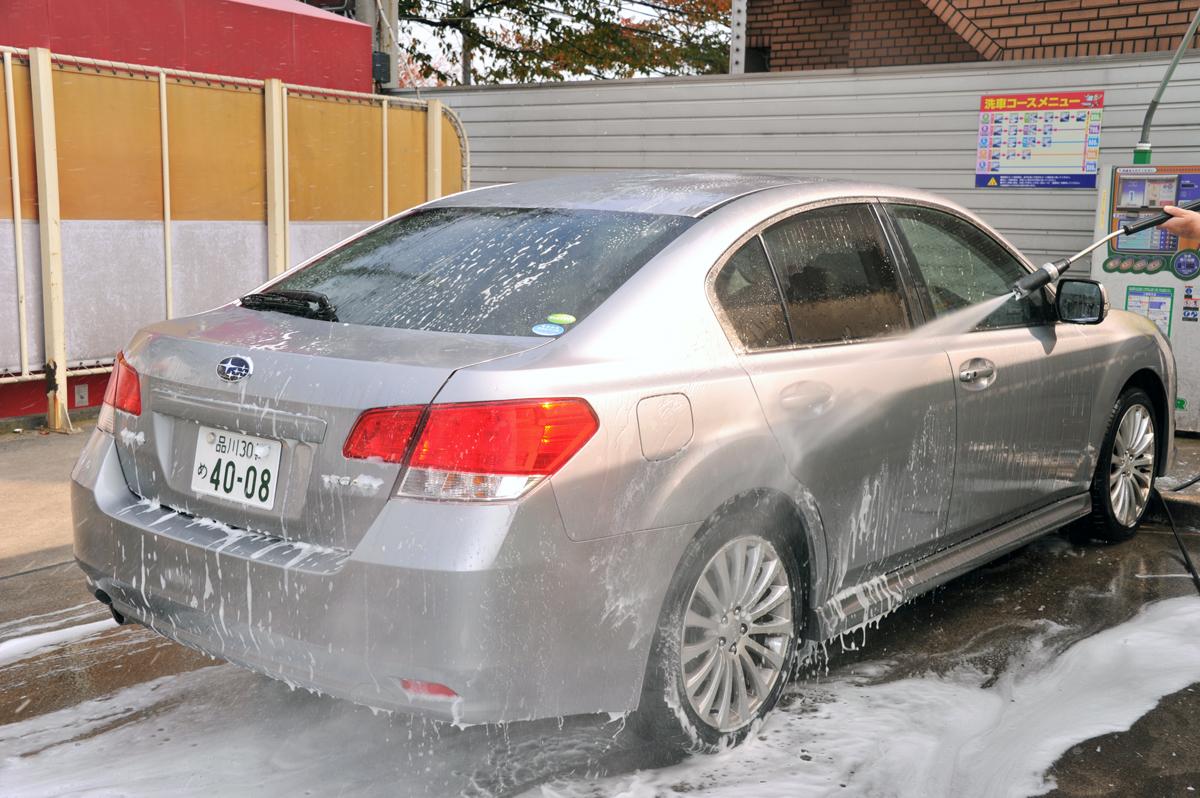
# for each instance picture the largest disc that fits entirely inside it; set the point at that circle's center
(1185, 485)
(1187, 559)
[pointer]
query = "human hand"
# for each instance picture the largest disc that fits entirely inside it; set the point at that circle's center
(1185, 224)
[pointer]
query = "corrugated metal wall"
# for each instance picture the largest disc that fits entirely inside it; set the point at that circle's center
(910, 126)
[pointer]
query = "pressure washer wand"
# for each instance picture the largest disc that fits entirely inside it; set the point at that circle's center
(1050, 272)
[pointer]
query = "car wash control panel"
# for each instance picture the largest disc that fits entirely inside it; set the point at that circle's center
(1155, 273)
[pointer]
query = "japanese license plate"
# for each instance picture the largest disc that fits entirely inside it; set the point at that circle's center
(240, 468)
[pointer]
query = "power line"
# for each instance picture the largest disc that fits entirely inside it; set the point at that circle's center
(520, 17)
(618, 25)
(505, 48)
(566, 15)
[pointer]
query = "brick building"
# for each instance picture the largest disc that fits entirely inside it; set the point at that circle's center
(785, 35)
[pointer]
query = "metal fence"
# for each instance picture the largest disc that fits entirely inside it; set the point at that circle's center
(912, 126)
(139, 194)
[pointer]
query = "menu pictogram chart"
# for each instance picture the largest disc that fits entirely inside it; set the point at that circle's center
(1039, 140)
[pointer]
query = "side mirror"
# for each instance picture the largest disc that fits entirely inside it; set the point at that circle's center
(1081, 301)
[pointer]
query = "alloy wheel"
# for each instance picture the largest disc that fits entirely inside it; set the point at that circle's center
(1131, 467)
(737, 630)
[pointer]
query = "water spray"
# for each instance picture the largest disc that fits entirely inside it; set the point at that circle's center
(1048, 273)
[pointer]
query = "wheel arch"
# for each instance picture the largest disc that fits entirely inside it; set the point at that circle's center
(802, 532)
(1152, 384)
(802, 529)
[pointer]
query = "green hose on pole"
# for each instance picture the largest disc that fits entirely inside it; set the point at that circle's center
(1141, 152)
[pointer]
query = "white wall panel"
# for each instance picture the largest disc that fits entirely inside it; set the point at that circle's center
(913, 126)
(215, 262)
(10, 353)
(113, 281)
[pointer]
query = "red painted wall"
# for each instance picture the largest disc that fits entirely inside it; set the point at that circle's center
(248, 38)
(19, 399)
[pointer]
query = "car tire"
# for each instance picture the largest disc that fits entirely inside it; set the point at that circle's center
(1123, 485)
(736, 675)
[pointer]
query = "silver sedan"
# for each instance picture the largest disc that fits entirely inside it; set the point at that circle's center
(609, 443)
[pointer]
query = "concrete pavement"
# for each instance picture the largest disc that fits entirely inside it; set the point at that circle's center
(35, 500)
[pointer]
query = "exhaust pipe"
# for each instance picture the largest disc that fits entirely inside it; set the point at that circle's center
(107, 601)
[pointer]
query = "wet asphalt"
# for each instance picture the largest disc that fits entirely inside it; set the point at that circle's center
(126, 712)
(982, 619)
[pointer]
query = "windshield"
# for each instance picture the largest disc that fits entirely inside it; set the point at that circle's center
(497, 271)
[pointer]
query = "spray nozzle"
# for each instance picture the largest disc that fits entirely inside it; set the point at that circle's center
(1043, 276)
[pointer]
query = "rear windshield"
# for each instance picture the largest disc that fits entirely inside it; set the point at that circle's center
(497, 271)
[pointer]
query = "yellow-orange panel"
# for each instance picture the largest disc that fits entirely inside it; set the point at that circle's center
(451, 157)
(109, 151)
(406, 152)
(25, 157)
(218, 152)
(335, 159)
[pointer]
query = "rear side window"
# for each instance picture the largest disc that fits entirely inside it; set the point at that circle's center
(839, 283)
(497, 271)
(747, 292)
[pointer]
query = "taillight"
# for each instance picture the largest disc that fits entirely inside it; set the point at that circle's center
(484, 450)
(124, 392)
(419, 689)
(383, 433)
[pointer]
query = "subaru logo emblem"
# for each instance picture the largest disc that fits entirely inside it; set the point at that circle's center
(232, 369)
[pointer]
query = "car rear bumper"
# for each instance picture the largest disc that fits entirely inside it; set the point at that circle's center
(492, 601)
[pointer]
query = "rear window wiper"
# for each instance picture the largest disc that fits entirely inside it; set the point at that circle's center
(306, 304)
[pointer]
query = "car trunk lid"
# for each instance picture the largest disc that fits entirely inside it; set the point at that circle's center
(309, 381)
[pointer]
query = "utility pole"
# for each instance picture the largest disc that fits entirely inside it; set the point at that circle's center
(737, 39)
(466, 42)
(389, 29)
(382, 17)
(366, 12)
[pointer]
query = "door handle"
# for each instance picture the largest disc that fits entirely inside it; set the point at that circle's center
(977, 373)
(807, 397)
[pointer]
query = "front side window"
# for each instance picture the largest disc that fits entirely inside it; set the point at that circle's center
(749, 296)
(962, 265)
(839, 283)
(497, 271)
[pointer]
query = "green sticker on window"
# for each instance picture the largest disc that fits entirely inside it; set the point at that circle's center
(560, 318)
(1180, 403)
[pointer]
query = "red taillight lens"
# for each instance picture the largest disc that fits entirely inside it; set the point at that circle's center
(519, 438)
(383, 433)
(476, 450)
(124, 392)
(427, 689)
(127, 394)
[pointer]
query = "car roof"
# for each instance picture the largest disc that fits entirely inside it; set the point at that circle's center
(678, 193)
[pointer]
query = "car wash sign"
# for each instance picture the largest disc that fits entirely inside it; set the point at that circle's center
(1039, 140)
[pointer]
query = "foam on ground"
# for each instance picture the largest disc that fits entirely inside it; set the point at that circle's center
(952, 735)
